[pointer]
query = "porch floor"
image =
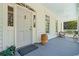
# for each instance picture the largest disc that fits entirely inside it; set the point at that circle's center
(57, 47)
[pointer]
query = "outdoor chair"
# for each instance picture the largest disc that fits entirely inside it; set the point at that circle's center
(76, 36)
(61, 34)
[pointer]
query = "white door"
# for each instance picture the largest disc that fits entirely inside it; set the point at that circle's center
(24, 27)
(27, 28)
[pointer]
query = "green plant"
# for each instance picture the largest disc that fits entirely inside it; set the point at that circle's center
(76, 32)
(70, 24)
(8, 52)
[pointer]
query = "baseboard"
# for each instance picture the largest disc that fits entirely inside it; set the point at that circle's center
(52, 37)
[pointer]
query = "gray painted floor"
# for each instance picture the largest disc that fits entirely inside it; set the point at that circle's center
(56, 47)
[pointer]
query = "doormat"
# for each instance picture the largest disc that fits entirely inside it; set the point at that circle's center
(27, 49)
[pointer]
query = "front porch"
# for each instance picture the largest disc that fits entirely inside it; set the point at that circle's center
(22, 26)
(56, 47)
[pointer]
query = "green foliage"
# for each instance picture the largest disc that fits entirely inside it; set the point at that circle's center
(76, 32)
(8, 52)
(70, 25)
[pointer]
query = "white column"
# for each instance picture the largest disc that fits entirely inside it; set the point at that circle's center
(78, 24)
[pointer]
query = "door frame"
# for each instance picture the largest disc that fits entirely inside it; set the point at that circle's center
(5, 22)
(16, 23)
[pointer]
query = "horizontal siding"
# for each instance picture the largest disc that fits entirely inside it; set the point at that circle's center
(1, 45)
(1, 27)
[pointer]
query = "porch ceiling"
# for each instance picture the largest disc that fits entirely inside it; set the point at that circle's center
(63, 10)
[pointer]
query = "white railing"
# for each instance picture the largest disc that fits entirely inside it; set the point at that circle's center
(69, 32)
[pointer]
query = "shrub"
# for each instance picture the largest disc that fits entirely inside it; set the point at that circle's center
(8, 52)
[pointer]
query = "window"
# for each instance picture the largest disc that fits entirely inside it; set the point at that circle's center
(10, 16)
(56, 25)
(34, 21)
(47, 19)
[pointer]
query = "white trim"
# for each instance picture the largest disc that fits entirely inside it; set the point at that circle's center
(5, 24)
(51, 36)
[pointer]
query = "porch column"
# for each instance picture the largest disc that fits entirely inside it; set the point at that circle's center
(77, 14)
(78, 24)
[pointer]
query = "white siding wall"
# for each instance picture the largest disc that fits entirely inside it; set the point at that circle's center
(1, 27)
(40, 21)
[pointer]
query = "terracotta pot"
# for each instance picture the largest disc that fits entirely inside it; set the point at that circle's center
(44, 39)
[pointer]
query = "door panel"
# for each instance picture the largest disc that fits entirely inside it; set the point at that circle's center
(28, 28)
(24, 30)
(20, 13)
